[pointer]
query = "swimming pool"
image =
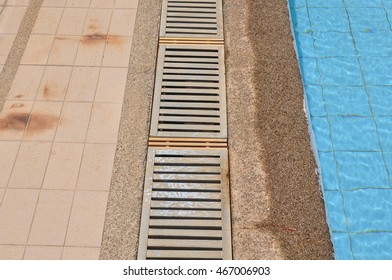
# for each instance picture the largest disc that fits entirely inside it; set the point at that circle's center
(345, 54)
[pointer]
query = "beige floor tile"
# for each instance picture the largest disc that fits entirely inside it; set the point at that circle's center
(78, 3)
(6, 41)
(63, 167)
(97, 166)
(43, 121)
(126, 4)
(111, 85)
(10, 19)
(37, 49)
(105, 119)
(1, 67)
(117, 51)
(11, 252)
(43, 253)
(80, 253)
(63, 50)
(54, 83)
(8, 152)
(16, 215)
(51, 218)
(97, 21)
(30, 165)
(17, 2)
(47, 21)
(26, 82)
(54, 3)
(74, 122)
(90, 52)
(102, 3)
(87, 219)
(82, 84)
(123, 22)
(72, 21)
(14, 119)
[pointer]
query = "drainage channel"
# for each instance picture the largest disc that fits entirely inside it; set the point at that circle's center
(186, 202)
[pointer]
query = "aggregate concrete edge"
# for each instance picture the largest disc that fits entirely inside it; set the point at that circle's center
(122, 221)
(297, 215)
(7, 75)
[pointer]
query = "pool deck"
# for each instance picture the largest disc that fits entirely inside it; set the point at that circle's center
(75, 102)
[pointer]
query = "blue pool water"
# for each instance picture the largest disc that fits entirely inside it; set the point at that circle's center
(345, 54)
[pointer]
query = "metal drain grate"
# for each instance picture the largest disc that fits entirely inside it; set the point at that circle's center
(192, 19)
(189, 98)
(186, 205)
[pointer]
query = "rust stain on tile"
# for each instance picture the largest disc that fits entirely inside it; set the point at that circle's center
(18, 121)
(98, 38)
(14, 121)
(40, 122)
(18, 96)
(47, 91)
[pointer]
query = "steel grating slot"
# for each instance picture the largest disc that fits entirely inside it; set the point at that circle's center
(186, 205)
(189, 98)
(192, 19)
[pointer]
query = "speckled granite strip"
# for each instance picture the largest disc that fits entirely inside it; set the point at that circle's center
(121, 230)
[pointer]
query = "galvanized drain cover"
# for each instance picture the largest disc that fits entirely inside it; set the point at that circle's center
(190, 98)
(192, 19)
(186, 205)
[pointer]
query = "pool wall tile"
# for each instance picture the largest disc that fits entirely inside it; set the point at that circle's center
(372, 246)
(361, 170)
(322, 133)
(351, 133)
(340, 71)
(342, 246)
(368, 209)
(329, 171)
(315, 101)
(337, 217)
(309, 71)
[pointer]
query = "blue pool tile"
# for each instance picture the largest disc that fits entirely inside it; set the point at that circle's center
(334, 44)
(329, 174)
(342, 246)
(314, 96)
(309, 71)
(354, 133)
(361, 170)
(368, 210)
(346, 101)
(304, 43)
(368, 19)
(329, 19)
(376, 43)
(340, 71)
(372, 246)
(336, 216)
(321, 130)
(363, 3)
(384, 127)
(300, 20)
(297, 3)
(380, 100)
(377, 70)
(325, 4)
(387, 4)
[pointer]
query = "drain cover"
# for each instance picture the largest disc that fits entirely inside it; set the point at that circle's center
(186, 205)
(192, 19)
(189, 98)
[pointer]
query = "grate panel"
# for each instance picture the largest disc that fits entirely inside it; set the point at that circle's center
(189, 98)
(186, 205)
(192, 19)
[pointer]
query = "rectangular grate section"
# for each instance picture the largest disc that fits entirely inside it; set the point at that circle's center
(192, 19)
(186, 205)
(190, 93)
